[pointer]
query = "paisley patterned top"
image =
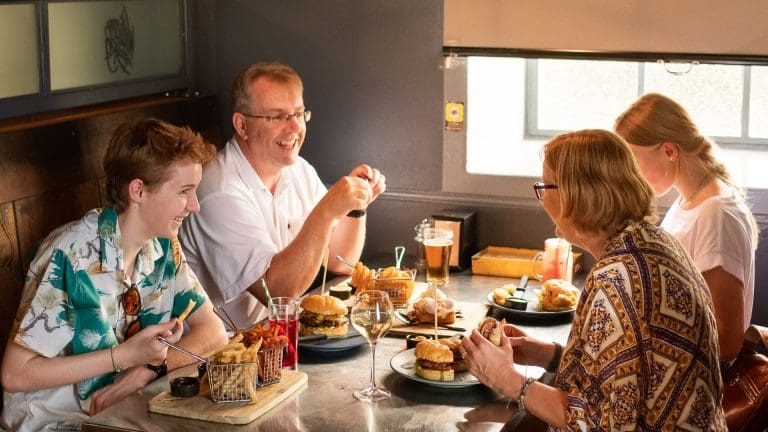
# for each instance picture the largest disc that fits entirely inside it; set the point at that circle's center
(71, 302)
(643, 351)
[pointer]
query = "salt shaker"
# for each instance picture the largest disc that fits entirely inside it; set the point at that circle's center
(421, 259)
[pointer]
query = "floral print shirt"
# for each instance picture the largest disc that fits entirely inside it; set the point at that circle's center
(71, 305)
(643, 352)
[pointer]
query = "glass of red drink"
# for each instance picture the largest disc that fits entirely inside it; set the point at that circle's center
(284, 313)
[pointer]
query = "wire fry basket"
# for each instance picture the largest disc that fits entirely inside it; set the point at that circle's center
(237, 382)
(271, 360)
(233, 382)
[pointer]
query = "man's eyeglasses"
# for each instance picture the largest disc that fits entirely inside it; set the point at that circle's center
(131, 306)
(284, 118)
(540, 187)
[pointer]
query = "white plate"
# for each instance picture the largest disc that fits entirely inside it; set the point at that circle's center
(404, 363)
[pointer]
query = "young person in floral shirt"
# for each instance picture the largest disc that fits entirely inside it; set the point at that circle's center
(102, 289)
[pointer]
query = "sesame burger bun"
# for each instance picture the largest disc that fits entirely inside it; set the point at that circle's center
(323, 315)
(325, 305)
(434, 361)
(491, 329)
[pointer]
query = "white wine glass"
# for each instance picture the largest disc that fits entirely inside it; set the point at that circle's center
(372, 316)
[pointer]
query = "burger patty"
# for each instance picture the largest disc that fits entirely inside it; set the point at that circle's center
(426, 364)
(311, 320)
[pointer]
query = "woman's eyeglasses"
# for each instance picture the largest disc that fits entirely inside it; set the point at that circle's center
(540, 187)
(131, 306)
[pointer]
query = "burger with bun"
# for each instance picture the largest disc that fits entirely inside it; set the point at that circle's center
(323, 315)
(424, 308)
(558, 295)
(491, 329)
(434, 361)
(454, 344)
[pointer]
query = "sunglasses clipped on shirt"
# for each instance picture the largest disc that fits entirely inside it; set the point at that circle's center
(131, 302)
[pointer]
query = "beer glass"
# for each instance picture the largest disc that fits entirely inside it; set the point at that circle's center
(437, 248)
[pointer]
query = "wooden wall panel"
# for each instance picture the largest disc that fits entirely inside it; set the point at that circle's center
(37, 216)
(51, 173)
(11, 279)
(33, 161)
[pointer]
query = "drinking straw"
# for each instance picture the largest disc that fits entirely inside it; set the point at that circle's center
(326, 252)
(269, 297)
(399, 253)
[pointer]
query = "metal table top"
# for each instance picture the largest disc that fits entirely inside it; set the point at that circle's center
(327, 403)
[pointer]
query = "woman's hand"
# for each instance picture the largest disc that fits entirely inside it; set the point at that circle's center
(132, 381)
(143, 347)
(492, 365)
(528, 350)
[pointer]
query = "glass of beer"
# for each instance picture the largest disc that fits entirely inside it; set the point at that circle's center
(437, 249)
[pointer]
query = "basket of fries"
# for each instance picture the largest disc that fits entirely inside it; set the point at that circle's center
(397, 283)
(251, 359)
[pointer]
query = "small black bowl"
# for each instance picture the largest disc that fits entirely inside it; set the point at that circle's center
(185, 387)
(412, 340)
(516, 303)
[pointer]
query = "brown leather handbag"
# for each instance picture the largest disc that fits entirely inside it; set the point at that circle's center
(745, 392)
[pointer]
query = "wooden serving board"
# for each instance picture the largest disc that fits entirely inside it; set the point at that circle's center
(201, 407)
(472, 314)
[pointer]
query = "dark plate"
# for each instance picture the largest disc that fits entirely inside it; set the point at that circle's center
(331, 346)
(530, 314)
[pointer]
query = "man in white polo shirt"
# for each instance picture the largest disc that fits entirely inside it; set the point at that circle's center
(264, 211)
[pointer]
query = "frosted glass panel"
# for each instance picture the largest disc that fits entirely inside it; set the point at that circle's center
(102, 42)
(19, 56)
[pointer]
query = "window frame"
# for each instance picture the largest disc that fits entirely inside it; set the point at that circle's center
(517, 189)
(744, 142)
(48, 100)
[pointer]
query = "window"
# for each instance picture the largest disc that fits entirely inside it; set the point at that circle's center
(514, 105)
(58, 54)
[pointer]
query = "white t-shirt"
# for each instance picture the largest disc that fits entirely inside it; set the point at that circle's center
(718, 233)
(242, 225)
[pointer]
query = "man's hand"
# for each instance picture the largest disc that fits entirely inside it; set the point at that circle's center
(375, 179)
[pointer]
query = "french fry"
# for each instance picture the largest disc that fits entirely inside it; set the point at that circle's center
(186, 312)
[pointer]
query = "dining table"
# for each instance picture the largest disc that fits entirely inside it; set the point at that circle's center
(326, 403)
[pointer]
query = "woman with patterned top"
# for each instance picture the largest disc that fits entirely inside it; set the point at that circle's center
(642, 353)
(117, 272)
(710, 217)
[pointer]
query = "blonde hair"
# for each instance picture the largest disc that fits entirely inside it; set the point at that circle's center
(145, 149)
(274, 71)
(654, 118)
(601, 187)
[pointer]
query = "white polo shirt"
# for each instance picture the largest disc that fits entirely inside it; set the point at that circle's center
(242, 225)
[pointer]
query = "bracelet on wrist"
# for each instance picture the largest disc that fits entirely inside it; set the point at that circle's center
(115, 366)
(356, 213)
(521, 397)
(555, 362)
